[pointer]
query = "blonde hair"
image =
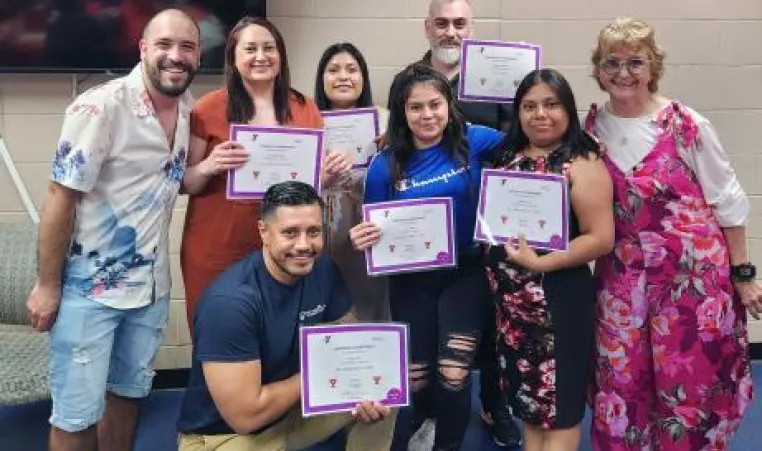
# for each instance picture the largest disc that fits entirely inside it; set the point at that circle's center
(633, 34)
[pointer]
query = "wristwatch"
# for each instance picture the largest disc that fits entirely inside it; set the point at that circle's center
(745, 272)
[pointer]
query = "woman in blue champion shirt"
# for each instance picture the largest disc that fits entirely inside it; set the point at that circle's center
(432, 152)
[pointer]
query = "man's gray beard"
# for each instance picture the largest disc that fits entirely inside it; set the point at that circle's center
(446, 55)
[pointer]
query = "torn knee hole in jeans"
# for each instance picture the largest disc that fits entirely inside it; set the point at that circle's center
(460, 348)
(80, 356)
(419, 376)
(453, 375)
(455, 361)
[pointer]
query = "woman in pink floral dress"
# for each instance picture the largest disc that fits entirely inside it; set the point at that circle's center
(672, 366)
(545, 301)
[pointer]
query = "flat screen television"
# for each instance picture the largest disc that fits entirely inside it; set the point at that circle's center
(86, 36)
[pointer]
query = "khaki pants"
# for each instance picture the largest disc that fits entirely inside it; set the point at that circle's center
(296, 432)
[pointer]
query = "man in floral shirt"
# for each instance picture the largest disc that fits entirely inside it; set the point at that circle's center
(103, 275)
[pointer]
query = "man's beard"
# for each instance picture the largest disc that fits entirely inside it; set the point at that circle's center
(448, 55)
(168, 89)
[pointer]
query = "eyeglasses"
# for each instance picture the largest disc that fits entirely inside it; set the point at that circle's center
(612, 65)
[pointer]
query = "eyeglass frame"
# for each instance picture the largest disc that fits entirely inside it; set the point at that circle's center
(627, 63)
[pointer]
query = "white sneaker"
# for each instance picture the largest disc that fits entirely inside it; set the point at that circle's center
(423, 438)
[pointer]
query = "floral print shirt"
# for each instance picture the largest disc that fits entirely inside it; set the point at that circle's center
(114, 150)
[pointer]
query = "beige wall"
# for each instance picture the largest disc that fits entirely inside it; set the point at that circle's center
(713, 56)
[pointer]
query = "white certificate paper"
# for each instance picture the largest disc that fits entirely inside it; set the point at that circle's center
(416, 235)
(276, 154)
(513, 203)
(342, 365)
(354, 130)
(490, 71)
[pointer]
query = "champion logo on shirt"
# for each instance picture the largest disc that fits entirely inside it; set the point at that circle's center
(310, 313)
(407, 184)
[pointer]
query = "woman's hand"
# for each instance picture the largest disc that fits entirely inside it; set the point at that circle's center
(751, 296)
(523, 255)
(225, 156)
(364, 235)
(336, 163)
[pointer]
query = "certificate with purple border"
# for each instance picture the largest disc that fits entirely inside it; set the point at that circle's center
(276, 154)
(490, 71)
(344, 364)
(416, 235)
(354, 130)
(513, 203)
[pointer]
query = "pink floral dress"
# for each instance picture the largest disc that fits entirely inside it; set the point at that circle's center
(545, 324)
(672, 369)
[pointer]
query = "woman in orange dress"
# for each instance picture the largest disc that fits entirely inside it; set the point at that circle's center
(257, 91)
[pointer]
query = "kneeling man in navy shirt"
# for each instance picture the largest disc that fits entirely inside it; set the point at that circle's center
(244, 389)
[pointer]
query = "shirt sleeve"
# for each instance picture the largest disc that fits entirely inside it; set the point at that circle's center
(314, 118)
(84, 145)
(304, 114)
(226, 330)
(198, 123)
(718, 180)
(209, 111)
(339, 301)
(378, 180)
(484, 142)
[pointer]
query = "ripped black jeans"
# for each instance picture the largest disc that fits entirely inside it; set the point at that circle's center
(445, 310)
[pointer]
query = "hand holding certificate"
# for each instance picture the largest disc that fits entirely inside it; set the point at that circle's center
(513, 203)
(490, 71)
(345, 364)
(354, 130)
(415, 235)
(277, 154)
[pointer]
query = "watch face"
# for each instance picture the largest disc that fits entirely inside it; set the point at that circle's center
(746, 271)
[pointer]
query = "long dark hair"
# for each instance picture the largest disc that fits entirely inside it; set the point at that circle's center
(399, 135)
(366, 97)
(240, 104)
(574, 143)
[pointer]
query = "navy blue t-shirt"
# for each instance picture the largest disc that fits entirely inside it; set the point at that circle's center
(432, 173)
(247, 315)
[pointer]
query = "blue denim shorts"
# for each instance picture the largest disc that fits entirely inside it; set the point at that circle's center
(94, 349)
